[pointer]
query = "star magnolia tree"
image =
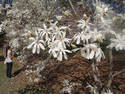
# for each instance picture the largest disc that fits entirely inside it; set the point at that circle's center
(52, 38)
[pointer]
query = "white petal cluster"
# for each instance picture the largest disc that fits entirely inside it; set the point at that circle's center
(84, 24)
(118, 43)
(67, 13)
(58, 44)
(52, 36)
(90, 36)
(59, 18)
(101, 8)
(46, 33)
(96, 35)
(82, 37)
(14, 43)
(108, 92)
(37, 43)
(91, 51)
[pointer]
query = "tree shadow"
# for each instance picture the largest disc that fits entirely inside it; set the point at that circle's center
(17, 72)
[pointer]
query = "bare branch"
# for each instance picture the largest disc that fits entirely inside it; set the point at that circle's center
(72, 7)
(117, 73)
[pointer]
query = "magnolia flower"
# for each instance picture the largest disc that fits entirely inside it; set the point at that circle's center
(59, 18)
(108, 92)
(82, 37)
(37, 44)
(62, 53)
(85, 16)
(96, 35)
(92, 51)
(46, 32)
(84, 24)
(53, 25)
(57, 52)
(67, 13)
(101, 8)
(118, 43)
(58, 48)
(63, 41)
(58, 32)
(52, 47)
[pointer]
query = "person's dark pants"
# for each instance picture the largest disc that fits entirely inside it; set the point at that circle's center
(9, 69)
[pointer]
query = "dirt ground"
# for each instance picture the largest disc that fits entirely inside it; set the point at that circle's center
(76, 70)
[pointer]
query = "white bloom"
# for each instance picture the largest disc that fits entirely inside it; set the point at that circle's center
(59, 18)
(14, 43)
(37, 44)
(84, 37)
(62, 53)
(67, 13)
(52, 47)
(36, 80)
(91, 51)
(58, 32)
(108, 92)
(84, 24)
(53, 25)
(101, 8)
(58, 51)
(96, 35)
(63, 41)
(118, 43)
(45, 32)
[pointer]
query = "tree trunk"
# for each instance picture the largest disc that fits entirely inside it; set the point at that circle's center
(110, 69)
(96, 76)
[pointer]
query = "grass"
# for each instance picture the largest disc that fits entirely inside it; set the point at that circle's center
(5, 83)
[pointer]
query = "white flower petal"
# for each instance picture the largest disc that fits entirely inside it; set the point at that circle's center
(38, 49)
(30, 46)
(34, 48)
(41, 46)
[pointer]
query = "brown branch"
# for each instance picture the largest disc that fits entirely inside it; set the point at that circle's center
(117, 73)
(110, 68)
(72, 7)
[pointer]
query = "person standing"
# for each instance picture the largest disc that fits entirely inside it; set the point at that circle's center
(9, 61)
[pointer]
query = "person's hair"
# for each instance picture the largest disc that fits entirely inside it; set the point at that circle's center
(7, 48)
